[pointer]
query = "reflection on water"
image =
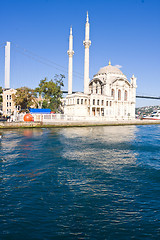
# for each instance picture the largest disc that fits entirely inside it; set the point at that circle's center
(105, 147)
(80, 183)
(114, 133)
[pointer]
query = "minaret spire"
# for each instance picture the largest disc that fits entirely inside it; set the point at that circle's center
(70, 64)
(71, 30)
(86, 44)
(87, 19)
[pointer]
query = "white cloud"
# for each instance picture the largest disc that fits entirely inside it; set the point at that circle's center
(118, 66)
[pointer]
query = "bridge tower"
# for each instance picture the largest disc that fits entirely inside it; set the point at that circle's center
(7, 66)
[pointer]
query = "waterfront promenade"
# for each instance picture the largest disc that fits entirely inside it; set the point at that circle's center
(55, 124)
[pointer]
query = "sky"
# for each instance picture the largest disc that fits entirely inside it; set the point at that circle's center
(126, 32)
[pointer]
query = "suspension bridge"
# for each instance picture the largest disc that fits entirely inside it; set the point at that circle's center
(47, 63)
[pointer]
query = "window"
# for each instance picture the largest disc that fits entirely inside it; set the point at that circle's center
(78, 101)
(102, 102)
(85, 101)
(10, 104)
(125, 95)
(110, 103)
(81, 101)
(113, 93)
(7, 97)
(96, 89)
(97, 102)
(93, 101)
(7, 104)
(10, 97)
(119, 94)
(107, 103)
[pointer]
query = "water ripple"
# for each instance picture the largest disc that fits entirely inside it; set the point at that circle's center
(80, 183)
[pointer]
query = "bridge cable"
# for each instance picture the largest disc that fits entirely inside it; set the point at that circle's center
(35, 56)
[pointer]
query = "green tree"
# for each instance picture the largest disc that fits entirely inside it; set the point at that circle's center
(50, 92)
(24, 97)
(1, 97)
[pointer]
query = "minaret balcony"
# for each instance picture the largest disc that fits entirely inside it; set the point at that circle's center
(87, 43)
(70, 53)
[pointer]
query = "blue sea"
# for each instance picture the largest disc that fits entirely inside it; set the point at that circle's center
(80, 183)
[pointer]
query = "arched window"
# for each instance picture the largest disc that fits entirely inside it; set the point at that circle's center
(107, 103)
(119, 94)
(113, 93)
(78, 101)
(125, 95)
(101, 90)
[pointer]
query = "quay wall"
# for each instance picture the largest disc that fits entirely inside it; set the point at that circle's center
(56, 124)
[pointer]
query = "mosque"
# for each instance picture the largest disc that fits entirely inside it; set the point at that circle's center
(108, 96)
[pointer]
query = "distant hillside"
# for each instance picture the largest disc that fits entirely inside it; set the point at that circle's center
(146, 110)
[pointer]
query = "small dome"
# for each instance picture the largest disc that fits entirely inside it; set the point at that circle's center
(109, 69)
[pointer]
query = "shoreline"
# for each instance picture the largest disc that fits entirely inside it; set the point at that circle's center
(61, 124)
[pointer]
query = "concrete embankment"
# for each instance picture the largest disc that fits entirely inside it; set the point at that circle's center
(57, 124)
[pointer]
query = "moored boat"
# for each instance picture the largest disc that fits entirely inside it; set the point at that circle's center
(154, 116)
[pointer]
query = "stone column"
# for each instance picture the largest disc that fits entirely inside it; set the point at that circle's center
(90, 111)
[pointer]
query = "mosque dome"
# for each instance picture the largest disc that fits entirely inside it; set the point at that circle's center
(109, 69)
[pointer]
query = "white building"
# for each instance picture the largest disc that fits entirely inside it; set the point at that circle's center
(108, 96)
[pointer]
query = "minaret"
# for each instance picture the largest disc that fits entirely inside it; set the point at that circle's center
(86, 44)
(7, 65)
(133, 95)
(70, 64)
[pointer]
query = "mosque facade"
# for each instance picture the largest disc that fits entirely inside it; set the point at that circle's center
(108, 96)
